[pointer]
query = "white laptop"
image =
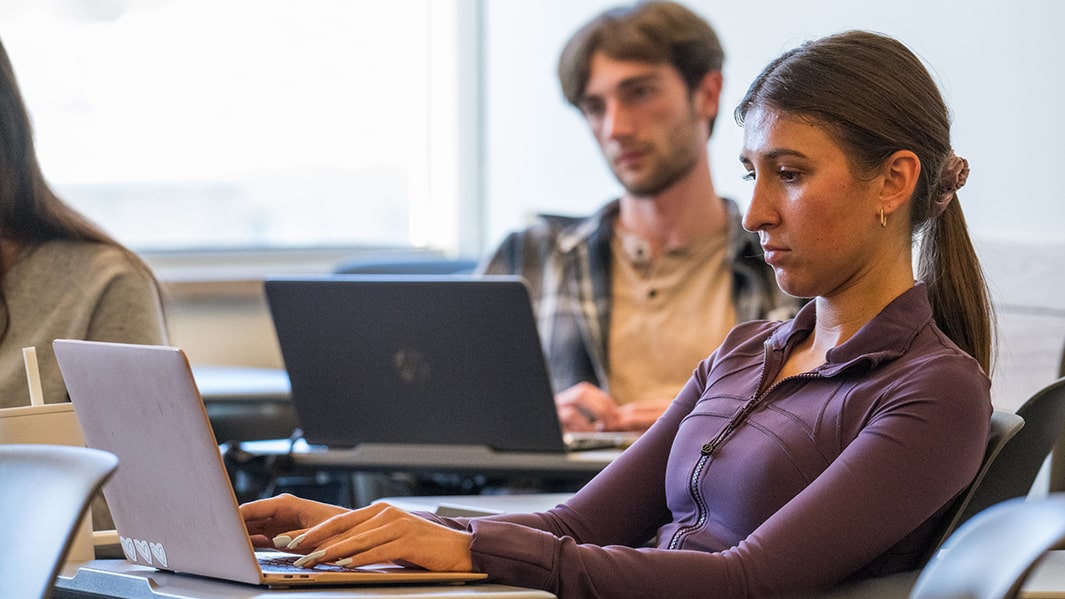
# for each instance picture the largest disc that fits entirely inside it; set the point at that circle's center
(171, 497)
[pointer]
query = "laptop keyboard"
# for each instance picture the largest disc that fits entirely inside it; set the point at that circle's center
(285, 563)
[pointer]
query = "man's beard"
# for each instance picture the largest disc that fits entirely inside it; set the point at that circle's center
(667, 174)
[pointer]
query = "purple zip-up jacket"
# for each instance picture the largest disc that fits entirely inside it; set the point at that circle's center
(841, 472)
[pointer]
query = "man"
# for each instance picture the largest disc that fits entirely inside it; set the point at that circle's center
(630, 299)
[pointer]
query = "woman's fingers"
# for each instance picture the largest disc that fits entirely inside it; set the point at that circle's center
(439, 549)
(382, 533)
(342, 525)
(284, 513)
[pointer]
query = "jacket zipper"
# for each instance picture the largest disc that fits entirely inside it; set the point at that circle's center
(707, 449)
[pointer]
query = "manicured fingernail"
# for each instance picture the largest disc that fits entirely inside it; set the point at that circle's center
(310, 557)
(282, 541)
(295, 542)
(343, 562)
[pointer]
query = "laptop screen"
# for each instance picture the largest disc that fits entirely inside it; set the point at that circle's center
(443, 360)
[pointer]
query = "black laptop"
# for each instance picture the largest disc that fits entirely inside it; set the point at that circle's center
(391, 359)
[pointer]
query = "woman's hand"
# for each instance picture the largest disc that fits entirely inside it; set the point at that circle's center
(268, 518)
(371, 535)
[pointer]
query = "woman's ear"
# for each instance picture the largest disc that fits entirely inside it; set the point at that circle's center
(900, 174)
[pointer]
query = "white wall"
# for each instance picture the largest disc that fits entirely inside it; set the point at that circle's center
(998, 64)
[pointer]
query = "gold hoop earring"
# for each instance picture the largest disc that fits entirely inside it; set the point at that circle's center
(883, 218)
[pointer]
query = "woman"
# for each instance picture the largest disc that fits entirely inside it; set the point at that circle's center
(801, 453)
(60, 275)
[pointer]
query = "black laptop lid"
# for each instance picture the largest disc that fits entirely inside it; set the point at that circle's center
(444, 360)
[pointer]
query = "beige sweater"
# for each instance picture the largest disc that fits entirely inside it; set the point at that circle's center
(72, 290)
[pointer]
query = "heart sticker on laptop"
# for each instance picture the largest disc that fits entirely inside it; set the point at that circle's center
(159, 553)
(142, 549)
(128, 549)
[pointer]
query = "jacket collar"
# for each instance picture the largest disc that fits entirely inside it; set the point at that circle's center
(886, 337)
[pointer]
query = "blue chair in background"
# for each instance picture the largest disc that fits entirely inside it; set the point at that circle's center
(408, 265)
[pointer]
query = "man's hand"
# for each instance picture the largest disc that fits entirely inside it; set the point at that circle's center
(585, 407)
(638, 415)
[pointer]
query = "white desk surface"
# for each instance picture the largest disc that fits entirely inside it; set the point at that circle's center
(117, 578)
(120, 579)
(443, 457)
(477, 505)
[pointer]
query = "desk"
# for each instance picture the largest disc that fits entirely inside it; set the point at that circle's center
(296, 461)
(453, 506)
(251, 411)
(452, 458)
(246, 403)
(119, 579)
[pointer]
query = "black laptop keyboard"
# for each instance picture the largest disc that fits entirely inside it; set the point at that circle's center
(284, 563)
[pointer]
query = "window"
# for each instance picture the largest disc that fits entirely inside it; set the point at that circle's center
(200, 124)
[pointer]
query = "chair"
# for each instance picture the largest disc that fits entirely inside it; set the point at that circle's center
(45, 491)
(1016, 468)
(408, 266)
(1057, 455)
(1004, 428)
(991, 555)
(1061, 367)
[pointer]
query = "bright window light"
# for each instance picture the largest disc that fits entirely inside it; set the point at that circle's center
(208, 124)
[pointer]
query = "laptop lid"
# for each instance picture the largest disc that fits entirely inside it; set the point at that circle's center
(171, 498)
(440, 360)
